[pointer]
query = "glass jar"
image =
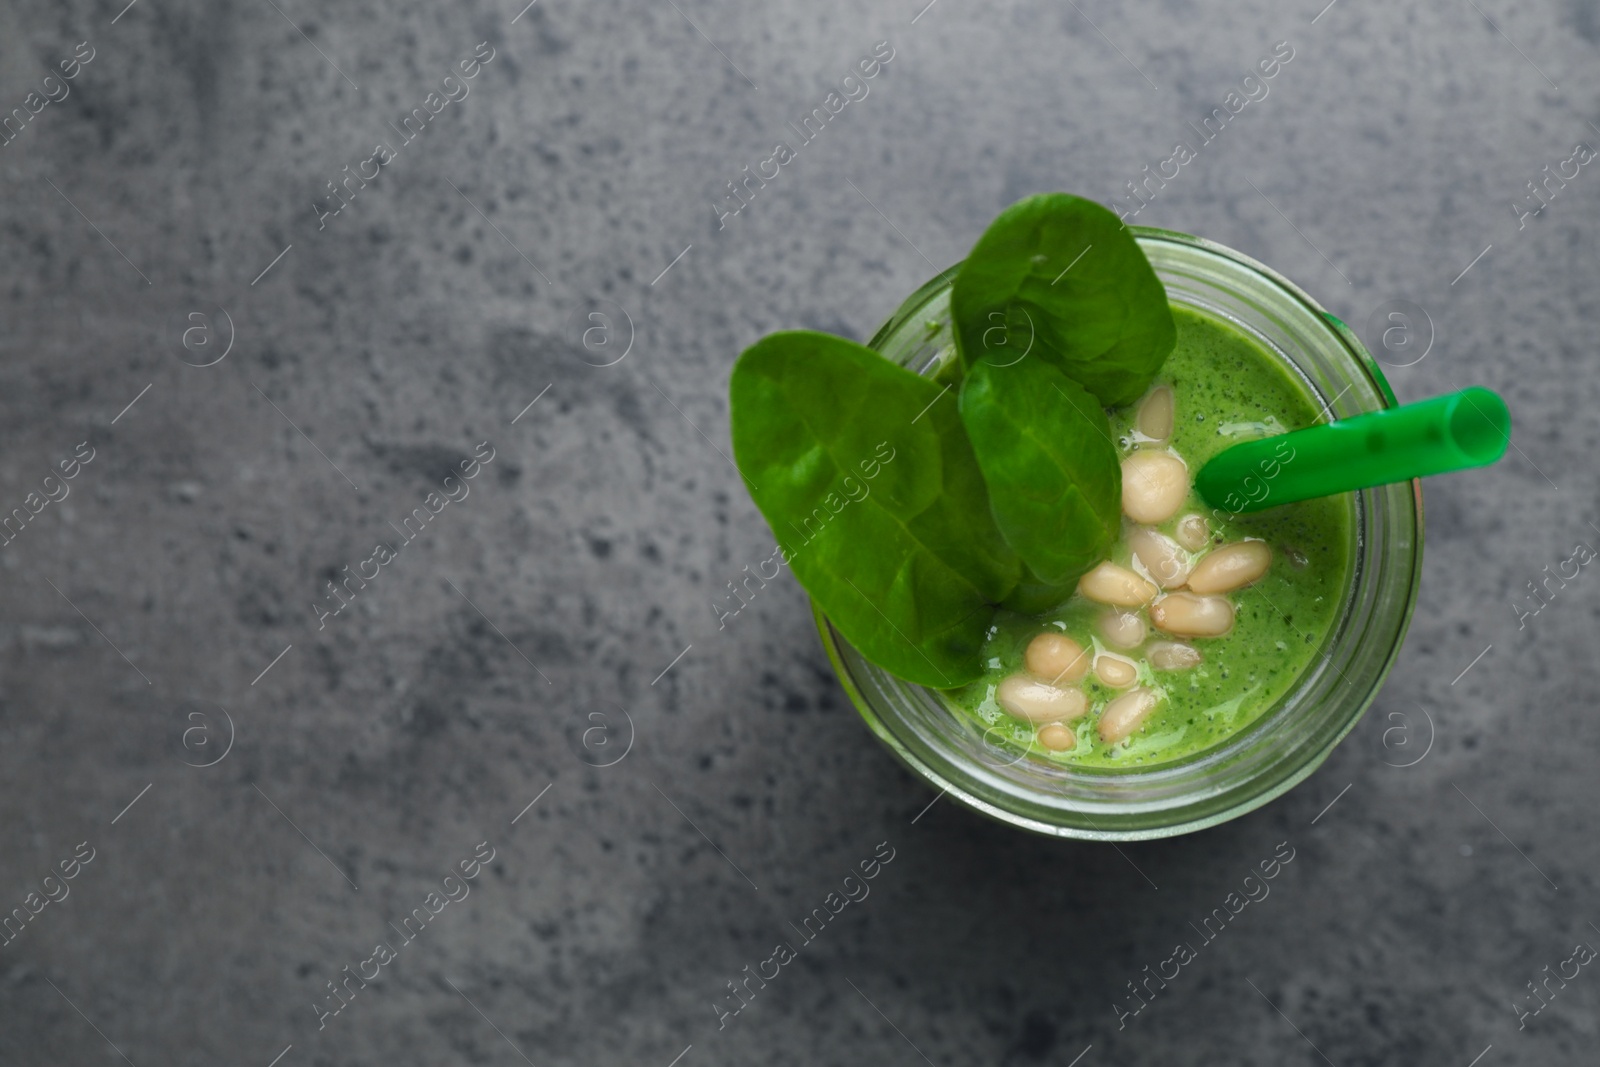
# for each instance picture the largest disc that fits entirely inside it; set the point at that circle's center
(1285, 743)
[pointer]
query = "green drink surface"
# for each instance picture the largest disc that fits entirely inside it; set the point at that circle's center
(1228, 388)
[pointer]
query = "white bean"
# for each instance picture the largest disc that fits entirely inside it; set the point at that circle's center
(1173, 656)
(1163, 558)
(1111, 584)
(1193, 533)
(1037, 701)
(1189, 615)
(1055, 657)
(1057, 738)
(1155, 414)
(1154, 486)
(1126, 714)
(1114, 671)
(1231, 567)
(1123, 629)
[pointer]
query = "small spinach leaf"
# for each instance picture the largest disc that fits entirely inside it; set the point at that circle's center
(1055, 483)
(865, 475)
(1061, 278)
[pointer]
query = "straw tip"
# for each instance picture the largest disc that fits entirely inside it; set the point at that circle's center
(1479, 424)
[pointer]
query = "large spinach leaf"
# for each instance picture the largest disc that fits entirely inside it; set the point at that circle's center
(867, 478)
(1061, 278)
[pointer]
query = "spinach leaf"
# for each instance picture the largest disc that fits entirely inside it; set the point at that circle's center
(1061, 278)
(1055, 483)
(865, 475)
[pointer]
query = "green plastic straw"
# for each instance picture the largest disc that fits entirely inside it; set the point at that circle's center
(1447, 433)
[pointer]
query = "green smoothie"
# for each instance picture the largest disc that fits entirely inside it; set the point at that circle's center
(1194, 688)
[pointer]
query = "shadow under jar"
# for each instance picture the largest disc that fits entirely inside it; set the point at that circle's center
(1286, 741)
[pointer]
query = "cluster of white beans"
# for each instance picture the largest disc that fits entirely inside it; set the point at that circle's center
(1175, 586)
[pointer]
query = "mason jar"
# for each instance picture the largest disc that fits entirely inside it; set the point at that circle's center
(1287, 741)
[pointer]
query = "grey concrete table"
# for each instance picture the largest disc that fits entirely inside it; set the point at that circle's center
(259, 342)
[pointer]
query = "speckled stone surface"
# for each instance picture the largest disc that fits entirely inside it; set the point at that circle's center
(165, 211)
